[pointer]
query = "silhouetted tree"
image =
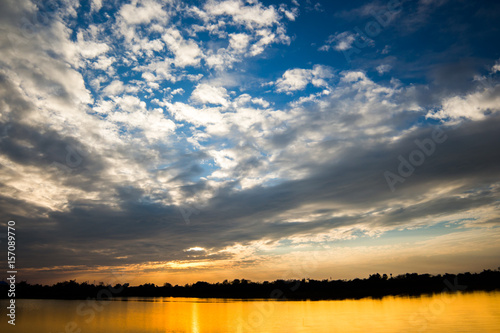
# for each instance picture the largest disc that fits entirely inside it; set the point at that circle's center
(375, 285)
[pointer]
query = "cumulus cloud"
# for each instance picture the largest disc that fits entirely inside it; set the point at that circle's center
(132, 113)
(263, 24)
(104, 63)
(91, 49)
(207, 94)
(298, 79)
(96, 5)
(143, 11)
(187, 53)
(239, 41)
(476, 105)
(114, 88)
(252, 15)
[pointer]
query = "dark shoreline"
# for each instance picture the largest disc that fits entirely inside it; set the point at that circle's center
(150, 299)
(376, 286)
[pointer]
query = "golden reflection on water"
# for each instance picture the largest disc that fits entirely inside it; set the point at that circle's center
(466, 312)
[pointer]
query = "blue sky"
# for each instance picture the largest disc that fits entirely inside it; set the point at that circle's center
(209, 140)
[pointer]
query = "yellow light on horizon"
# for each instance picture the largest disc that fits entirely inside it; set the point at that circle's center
(196, 248)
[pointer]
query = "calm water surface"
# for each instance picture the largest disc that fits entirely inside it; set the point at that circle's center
(467, 312)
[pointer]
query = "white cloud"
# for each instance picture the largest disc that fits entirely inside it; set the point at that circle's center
(178, 91)
(298, 79)
(162, 70)
(149, 13)
(290, 14)
(260, 27)
(145, 11)
(207, 94)
(260, 101)
(131, 112)
(116, 87)
(340, 41)
(187, 52)
(252, 15)
(311, 98)
(239, 42)
(148, 77)
(472, 106)
(266, 37)
(90, 49)
(320, 74)
(496, 67)
(96, 5)
(384, 68)
(353, 76)
(246, 99)
(196, 249)
(151, 45)
(294, 79)
(195, 116)
(104, 63)
(220, 60)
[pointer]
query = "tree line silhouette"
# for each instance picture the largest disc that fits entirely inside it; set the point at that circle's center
(375, 286)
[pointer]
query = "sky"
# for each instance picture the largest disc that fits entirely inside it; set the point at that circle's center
(152, 141)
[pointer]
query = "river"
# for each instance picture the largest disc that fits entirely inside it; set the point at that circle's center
(458, 312)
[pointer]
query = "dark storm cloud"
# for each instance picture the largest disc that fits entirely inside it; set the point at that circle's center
(27, 146)
(11, 101)
(358, 180)
(151, 231)
(455, 78)
(63, 158)
(187, 166)
(283, 139)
